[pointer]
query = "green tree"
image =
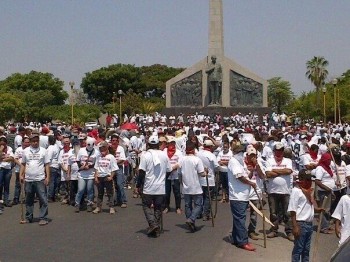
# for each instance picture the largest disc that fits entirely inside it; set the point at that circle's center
(11, 107)
(279, 94)
(317, 74)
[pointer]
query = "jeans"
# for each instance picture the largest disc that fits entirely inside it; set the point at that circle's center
(206, 200)
(239, 231)
(224, 182)
(175, 185)
(278, 204)
(195, 210)
(326, 216)
(17, 193)
(5, 178)
(102, 184)
(152, 216)
(253, 218)
(302, 244)
(119, 180)
(73, 189)
(37, 188)
(55, 179)
(89, 185)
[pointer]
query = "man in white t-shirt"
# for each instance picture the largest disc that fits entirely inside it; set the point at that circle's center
(154, 165)
(279, 175)
(211, 164)
(342, 216)
(35, 171)
(239, 191)
(191, 169)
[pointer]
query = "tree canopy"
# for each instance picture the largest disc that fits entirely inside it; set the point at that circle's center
(279, 94)
(100, 84)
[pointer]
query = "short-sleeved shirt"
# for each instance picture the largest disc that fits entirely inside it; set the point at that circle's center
(191, 166)
(211, 163)
(175, 159)
(105, 165)
(156, 164)
(35, 160)
(238, 190)
(8, 153)
(342, 213)
(300, 205)
(325, 178)
(281, 184)
(89, 158)
(224, 158)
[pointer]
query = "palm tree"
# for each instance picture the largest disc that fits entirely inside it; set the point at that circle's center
(317, 74)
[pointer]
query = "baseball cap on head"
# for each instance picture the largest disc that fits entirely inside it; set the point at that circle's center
(103, 144)
(251, 150)
(153, 140)
(208, 142)
(33, 135)
(278, 146)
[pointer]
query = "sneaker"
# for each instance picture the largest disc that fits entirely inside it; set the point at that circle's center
(191, 225)
(253, 236)
(77, 209)
(124, 205)
(165, 211)
(152, 230)
(89, 209)
(206, 218)
(43, 222)
(1, 211)
(96, 210)
(178, 211)
(272, 234)
(112, 210)
(290, 237)
(64, 201)
(8, 204)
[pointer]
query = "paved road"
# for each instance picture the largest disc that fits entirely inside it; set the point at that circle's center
(121, 237)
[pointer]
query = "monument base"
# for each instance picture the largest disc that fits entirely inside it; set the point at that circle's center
(212, 110)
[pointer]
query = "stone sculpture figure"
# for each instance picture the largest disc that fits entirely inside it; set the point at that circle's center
(214, 72)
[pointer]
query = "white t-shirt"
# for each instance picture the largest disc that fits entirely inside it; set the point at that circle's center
(191, 166)
(210, 162)
(175, 159)
(87, 158)
(53, 153)
(237, 190)
(74, 168)
(18, 141)
(341, 173)
(63, 162)
(8, 153)
(35, 160)
(156, 164)
(18, 156)
(105, 165)
(305, 160)
(300, 205)
(44, 141)
(224, 158)
(342, 213)
(281, 184)
(325, 178)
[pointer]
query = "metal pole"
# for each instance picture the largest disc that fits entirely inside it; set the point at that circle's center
(71, 99)
(339, 106)
(120, 108)
(324, 107)
(335, 105)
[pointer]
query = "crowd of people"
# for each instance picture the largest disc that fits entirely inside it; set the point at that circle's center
(243, 160)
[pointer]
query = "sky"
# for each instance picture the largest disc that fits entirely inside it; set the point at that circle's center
(271, 38)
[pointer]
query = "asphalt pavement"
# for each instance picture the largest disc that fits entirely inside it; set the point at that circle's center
(85, 236)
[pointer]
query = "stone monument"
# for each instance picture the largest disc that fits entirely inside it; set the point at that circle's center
(216, 81)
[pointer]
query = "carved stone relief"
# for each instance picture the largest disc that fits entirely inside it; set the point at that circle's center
(245, 91)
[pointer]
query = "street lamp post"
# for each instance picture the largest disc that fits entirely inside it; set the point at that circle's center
(71, 83)
(324, 104)
(113, 102)
(334, 82)
(120, 93)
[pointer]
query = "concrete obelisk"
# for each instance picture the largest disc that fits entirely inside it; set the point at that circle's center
(216, 30)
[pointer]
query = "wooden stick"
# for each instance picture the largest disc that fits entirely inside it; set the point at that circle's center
(325, 200)
(261, 207)
(260, 214)
(22, 221)
(211, 209)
